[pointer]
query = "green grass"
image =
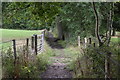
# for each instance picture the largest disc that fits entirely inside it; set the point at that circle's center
(115, 39)
(117, 33)
(9, 34)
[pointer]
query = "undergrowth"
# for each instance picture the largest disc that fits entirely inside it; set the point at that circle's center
(90, 63)
(25, 67)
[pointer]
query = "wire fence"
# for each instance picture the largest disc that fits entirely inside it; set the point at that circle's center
(22, 51)
(33, 45)
(28, 42)
(106, 61)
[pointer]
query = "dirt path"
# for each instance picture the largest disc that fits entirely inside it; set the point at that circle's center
(59, 62)
(58, 68)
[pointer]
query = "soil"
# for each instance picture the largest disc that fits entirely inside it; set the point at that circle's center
(58, 68)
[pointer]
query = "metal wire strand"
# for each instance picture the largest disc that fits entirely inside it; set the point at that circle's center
(6, 42)
(111, 60)
(98, 66)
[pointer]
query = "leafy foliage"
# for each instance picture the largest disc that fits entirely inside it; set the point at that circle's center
(22, 15)
(76, 18)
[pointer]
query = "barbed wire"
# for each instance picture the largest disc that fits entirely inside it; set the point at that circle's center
(6, 42)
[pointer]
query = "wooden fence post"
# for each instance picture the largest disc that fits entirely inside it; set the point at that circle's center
(42, 45)
(27, 42)
(85, 42)
(107, 65)
(36, 44)
(90, 40)
(15, 61)
(27, 45)
(32, 42)
(78, 41)
(14, 50)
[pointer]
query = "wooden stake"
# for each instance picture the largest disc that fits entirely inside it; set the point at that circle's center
(78, 41)
(85, 42)
(14, 49)
(90, 40)
(32, 42)
(36, 44)
(27, 45)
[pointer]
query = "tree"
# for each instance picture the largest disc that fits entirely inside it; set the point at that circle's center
(30, 14)
(59, 28)
(75, 18)
(97, 25)
(109, 19)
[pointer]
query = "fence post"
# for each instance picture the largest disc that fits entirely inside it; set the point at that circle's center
(27, 42)
(85, 42)
(14, 50)
(78, 41)
(107, 65)
(36, 44)
(15, 61)
(90, 40)
(27, 45)
(42, 45)
(32, 42)
(27, 48)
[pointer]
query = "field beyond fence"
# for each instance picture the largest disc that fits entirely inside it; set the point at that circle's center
(25, 49)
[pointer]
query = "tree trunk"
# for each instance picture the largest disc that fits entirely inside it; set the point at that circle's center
(108, 55)
(107, 65)
(59, 28)
(97, 25)
(111, 13)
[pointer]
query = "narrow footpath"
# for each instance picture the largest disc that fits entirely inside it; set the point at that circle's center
(59, 62)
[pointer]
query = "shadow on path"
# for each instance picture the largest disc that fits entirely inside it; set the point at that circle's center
(53, 42)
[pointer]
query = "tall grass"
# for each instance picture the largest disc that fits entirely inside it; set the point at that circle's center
(30, 67)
